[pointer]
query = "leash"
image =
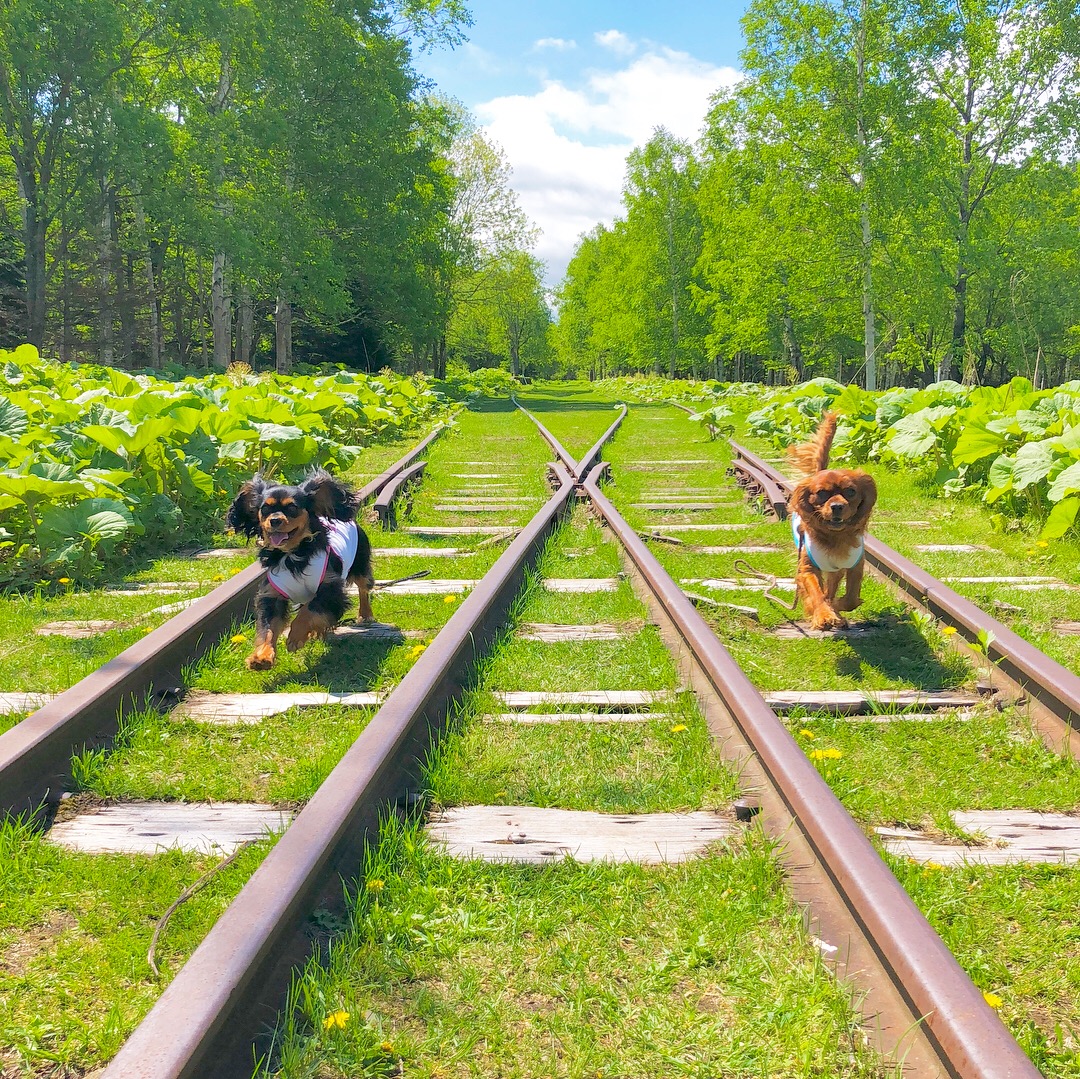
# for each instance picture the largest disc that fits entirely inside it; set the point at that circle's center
(402, 580)
(742, 566)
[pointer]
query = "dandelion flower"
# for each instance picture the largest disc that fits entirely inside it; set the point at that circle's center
(1030, 550)
(237, 638)
(148, 629)
(829, 754)
(417, 651)
(949, 630)
(449, 599)
(993, 1000)
(64, 580)
(500, 794)
(376, 885)
(678, 728)
(336, 1020)
(218, 577)
(387, 1047)
(1042, 543)
(804, 733)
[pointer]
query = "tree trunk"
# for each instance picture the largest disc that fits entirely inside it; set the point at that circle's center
(283, 334)
(441, 362)
(245, 327)
(34, 225)
(221, 314)
(106, 338)
(869, 329)
(157, 337)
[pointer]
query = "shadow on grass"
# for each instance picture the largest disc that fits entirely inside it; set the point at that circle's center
(898, 650)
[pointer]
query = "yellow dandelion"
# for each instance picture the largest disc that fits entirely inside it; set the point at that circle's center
(993, 1000)
(237, 638)
(64, 580)
(147, 629)
(417, 651)
(1042, 543)
(934, 865)
(949, 630)
(376, 885)
(804, 733)
(500, 794)
(449, 599)
(387, 1047)
(336, 1020)
(218, 577)
(829, 754)
(678, 728)
(1030, 550)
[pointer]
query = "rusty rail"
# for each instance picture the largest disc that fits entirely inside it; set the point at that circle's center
(968, 1035)
(384, 502)
(35, 755)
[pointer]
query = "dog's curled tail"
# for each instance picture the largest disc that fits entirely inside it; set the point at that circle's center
(813, 456)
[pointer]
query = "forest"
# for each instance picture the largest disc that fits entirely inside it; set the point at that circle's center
(889, 197)
(189, 184)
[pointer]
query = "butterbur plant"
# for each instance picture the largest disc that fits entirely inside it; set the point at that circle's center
(94, 460)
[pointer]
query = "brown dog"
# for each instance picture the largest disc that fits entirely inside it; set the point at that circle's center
(829, 510)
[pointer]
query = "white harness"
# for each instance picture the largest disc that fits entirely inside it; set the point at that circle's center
(301, 587)
(827, 563)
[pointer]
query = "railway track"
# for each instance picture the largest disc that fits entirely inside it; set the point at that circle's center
(921, 1008)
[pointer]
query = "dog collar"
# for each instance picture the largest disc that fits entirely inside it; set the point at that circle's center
(824, 561)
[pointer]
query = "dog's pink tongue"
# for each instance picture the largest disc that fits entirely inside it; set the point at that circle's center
(278, 538)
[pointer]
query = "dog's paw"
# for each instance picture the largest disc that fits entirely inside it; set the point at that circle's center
(827, 619)
(262, 659)
(849, 603)
(296, 641)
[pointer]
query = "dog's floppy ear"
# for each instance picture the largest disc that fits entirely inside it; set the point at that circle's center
(243, 515)
(330, 497)
(868, 492)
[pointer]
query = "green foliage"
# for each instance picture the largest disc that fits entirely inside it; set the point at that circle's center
(1012, 446)
(93, 459)
(463, 384)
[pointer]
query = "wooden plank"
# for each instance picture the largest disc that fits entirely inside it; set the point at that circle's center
(581, 584)
(675, 526)
(478, 476)
(1066, 628)
(853, 702)
(683, 507)
(174, 608)
(661, 465)
(745, 548)
(550, 633)
(151, 827)
(427, 586)
(542, 718)
(501, 500)
(798, 631)
(1020, 584)
(741, 584)
(611, 698)
(77, 629)
(224, 552)
(1013, 836)
(537, 836)
(959, 548)
(377, 631)
(229, 708)
(14, 702)
(445, 508)
(151, 588)
(419, 552)
(455, 530)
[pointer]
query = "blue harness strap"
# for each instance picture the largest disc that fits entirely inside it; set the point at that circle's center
(831, 565)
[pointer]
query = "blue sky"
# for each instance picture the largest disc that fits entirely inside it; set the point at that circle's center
(568, 89)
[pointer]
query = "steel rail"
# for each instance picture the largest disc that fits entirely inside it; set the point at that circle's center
(592, 455)
(561, 451)
(1054, 686)
(384, 502)
(210, 1018)
(35, 754)
(967, 1034)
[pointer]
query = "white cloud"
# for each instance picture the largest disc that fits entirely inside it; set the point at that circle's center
(568, 146)
(616, 41)
(560, 43)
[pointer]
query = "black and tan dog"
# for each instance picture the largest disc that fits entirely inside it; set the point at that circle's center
(311, 547)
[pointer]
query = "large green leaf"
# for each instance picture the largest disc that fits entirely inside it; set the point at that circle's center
(1064, 483)
(976, 442)
(1061, 518)
(1034, 462)
(94, 519)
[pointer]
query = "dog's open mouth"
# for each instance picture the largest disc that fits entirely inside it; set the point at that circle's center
(277, 539)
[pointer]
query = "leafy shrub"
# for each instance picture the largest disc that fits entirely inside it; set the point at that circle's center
(93, 459)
